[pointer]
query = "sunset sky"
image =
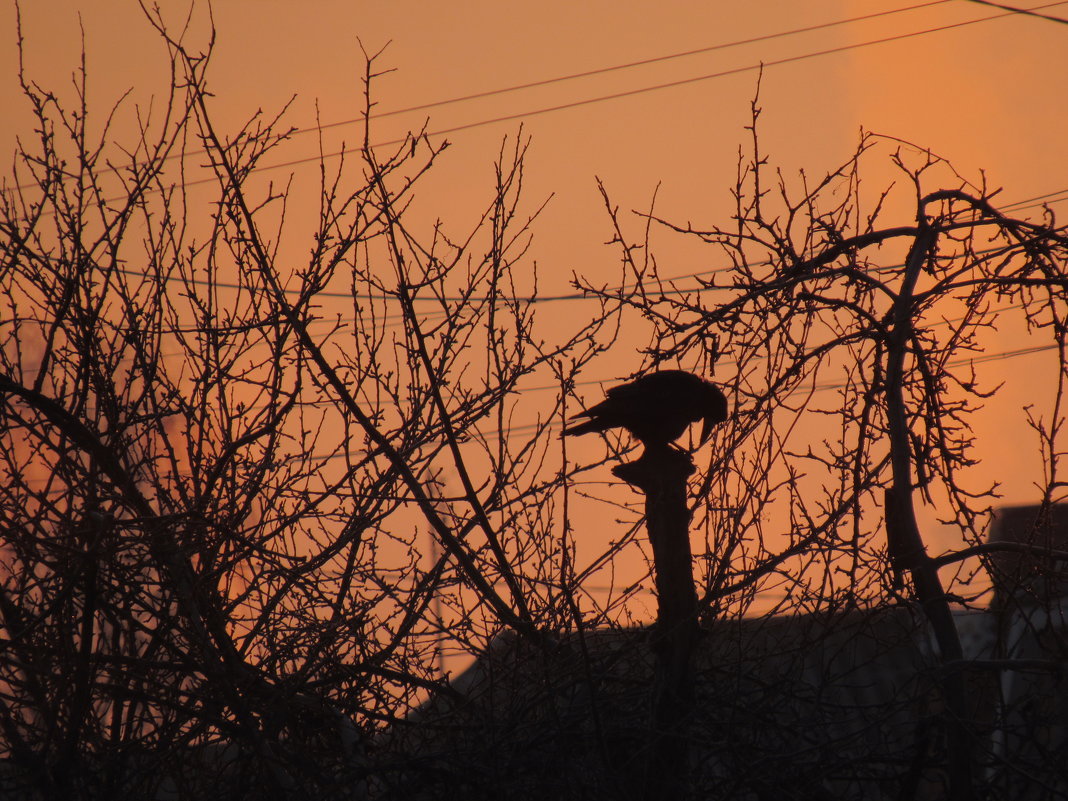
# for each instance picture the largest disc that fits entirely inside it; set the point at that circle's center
(637, 94)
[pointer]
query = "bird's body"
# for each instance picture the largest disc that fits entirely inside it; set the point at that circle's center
(656, 408)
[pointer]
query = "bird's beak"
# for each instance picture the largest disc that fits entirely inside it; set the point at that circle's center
(718, 413)
(706, 429)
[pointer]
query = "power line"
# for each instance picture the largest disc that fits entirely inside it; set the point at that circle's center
(529, 427)
(1032, 202)
(577, 75)
(570, 296)
(981, 358)
(1017, 10)
(629, 92)
(975, 359)
(625, 66)
(523, 428)
(397, 318)
(643, 90)
(826, 387)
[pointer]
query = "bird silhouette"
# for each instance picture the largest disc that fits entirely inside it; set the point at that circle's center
(656, 408)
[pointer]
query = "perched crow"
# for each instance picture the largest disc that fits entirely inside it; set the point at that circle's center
(657, 407)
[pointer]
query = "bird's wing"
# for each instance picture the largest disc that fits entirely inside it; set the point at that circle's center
(647, 394)
(637, 388)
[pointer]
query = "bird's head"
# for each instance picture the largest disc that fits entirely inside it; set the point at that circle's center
(714, 410)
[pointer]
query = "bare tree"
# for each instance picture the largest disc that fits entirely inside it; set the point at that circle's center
(240, 526)
(822, 295)
(216, 491)
(874, 675)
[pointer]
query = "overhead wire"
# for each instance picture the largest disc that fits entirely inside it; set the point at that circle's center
(518, 430)
(523, 428)
(526, 428)
(1019, 205)
(642, 90)
(1009, 10)
(1024, 11)
(397, 319)
(1034, 202)
(488, 93)
(319, 158)
(623, 66)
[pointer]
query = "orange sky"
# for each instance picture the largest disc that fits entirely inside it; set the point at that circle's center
(990, 95)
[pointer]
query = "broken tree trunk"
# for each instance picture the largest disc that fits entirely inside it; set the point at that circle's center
(661, 475)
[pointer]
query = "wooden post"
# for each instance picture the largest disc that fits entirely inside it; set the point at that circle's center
(661, 475)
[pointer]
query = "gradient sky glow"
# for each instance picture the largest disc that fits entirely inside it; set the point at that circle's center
(988, 96)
